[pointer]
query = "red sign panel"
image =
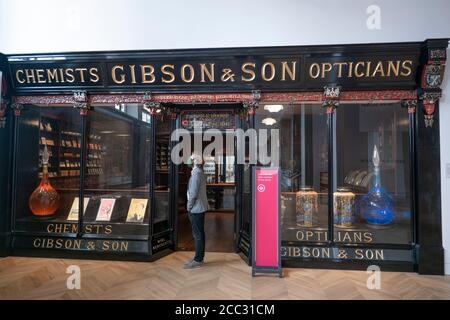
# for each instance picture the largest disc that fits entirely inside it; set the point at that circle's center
(266, 221)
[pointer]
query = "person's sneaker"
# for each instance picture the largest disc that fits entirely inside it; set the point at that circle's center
(193, 264)
(188, 262)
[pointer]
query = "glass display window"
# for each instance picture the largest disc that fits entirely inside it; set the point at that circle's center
(48, 143)
(372, 195)
(303, 157)
(117, 176)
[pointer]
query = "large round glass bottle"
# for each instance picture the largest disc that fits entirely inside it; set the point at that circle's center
(44, 201)
(376, 207)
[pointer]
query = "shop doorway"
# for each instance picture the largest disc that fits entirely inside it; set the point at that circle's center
(220, 171)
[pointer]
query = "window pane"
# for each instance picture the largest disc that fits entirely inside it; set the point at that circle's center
(162, 177)
(303, 154)
(47, 196)
(117, 173)
(372, 203)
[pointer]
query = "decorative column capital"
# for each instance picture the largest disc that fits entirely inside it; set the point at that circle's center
(330, 99)
(81, 102)
(17, 107)
(249, 107)
(429, 100)
(153, 108)
(150, 106)
(410, 104)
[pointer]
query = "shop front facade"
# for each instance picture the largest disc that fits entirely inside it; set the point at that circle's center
(357, 136)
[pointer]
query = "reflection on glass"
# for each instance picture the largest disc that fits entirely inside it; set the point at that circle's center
(48, 168)
(304, 168)
(162, 190)
(117, 172)
(372, 162)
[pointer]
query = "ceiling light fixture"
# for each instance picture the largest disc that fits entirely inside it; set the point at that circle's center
(273, 107)
(269, 121)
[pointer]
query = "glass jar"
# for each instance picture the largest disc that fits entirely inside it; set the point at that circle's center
(343, 208)
(306, 200)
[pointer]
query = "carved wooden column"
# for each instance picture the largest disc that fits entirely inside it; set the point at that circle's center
(330, 101)
(81, 103)
(152, 107)
(430, 253)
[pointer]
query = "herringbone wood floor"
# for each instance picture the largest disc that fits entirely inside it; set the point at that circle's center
(224, 276)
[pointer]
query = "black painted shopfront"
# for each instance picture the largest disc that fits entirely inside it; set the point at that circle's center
(358, 141)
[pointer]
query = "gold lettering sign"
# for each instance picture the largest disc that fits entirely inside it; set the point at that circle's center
(271, 68)
(191, 73)
(332, 253)
(361, 69)
(248, 71)
(73, 228)
(80, 244)
(205, 72)
(340, 236)
(57, 75)
(165, 71)
(264, 71)
(286, 70)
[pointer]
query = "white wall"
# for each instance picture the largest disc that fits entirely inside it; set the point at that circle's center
(86, 25)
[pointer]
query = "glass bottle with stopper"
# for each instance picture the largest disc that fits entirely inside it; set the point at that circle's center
(44, 201)
(377, 206)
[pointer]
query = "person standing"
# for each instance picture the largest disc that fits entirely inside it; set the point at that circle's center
(197, 205)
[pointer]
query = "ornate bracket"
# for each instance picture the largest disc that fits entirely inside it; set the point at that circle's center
(330, 99)
(410, 105)
(433, 70)
(429, 100)
(249, 107)
(435, 58)
(151, 106)
(17, 107)
(81, 102)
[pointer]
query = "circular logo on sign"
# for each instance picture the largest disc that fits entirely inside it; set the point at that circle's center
(261, 188)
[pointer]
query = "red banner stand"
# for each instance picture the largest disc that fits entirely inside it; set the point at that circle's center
(266, 231)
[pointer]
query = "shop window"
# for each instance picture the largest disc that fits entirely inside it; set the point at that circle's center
(117, 170)
(372, 198)
(303, 161)
(116, 186)
(48, 175)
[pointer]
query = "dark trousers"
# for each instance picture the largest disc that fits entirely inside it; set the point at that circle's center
(198, 232)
